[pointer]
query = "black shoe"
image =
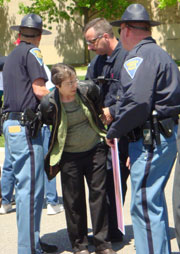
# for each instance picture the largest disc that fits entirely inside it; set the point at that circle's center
(48, 248)
(82, 252)
(106, 251)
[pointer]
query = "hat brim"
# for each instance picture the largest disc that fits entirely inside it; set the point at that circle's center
(119, 22)
(43, 31)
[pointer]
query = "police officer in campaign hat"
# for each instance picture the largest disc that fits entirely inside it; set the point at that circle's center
(147, 113)
(24, 80)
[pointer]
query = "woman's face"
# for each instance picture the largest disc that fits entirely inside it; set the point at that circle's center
(69, 86)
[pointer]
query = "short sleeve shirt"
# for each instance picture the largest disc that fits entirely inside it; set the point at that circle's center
(23, 66)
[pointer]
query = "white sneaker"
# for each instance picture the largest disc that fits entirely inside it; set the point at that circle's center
(54, 209)
(5, 208)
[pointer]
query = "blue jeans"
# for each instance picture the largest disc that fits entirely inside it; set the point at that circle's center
(7, 179)
(26, 156)
(150, 170)
(50, 186)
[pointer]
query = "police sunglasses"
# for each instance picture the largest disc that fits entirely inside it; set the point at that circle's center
(134, 27)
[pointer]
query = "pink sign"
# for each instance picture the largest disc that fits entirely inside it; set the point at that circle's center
(117, 186)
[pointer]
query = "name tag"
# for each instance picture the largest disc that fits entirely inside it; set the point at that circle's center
(14, 129)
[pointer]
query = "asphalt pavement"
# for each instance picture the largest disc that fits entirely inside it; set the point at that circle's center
(53, 227)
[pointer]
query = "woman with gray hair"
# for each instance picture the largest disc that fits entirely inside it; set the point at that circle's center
(78, 150)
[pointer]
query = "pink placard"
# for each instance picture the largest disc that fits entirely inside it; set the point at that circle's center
(117, 186)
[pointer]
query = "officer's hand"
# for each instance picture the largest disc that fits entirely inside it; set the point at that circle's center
(106, 117)
(110, 142)
(128, 163)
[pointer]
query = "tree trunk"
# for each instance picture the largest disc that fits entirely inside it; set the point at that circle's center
(86, 51)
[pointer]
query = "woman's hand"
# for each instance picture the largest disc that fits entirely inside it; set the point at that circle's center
(128, 163)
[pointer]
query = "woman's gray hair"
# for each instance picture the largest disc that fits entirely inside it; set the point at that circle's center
(61, 71)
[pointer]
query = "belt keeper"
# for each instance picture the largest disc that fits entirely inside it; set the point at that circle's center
(22, 119)
(5, 116)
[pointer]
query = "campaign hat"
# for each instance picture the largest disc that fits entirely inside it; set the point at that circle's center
(135, 13)
(31, 21)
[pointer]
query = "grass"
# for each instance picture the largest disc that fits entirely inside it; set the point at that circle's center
(81, 77)
(2, 141)
(81, 68)
(177, 62)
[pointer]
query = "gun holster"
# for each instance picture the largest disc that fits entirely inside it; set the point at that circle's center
(33, 122)
(147, 133)
(166, 127)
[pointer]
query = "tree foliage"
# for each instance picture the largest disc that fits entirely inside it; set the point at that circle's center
(166, 3)
(53, 10)
(2, 2)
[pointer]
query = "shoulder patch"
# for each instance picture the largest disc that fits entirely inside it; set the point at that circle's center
(132, 65)
(37, 53)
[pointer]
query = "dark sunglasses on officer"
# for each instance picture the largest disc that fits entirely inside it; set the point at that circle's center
(134, 27)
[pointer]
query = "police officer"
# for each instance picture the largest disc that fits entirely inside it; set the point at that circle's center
(148, 108)
(176, 192)
(2, 60)
(24, 85)
(107, 64)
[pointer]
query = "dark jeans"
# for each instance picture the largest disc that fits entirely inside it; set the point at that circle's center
(92, 165)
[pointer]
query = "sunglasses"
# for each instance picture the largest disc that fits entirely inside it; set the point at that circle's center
(135, 27)
(71, 83)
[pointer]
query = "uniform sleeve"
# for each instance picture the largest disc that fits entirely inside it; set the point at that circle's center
(95, 68)
(35, 66)
(90, 71)
(112, 110)
(135, 100)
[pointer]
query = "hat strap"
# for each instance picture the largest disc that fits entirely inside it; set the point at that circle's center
(30, 36)
(138, 27)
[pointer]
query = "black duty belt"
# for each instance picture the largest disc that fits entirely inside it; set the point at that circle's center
(13, 116)
(137, 133)
(28, 118)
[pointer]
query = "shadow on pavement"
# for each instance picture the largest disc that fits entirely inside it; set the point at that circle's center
(127, 238)
(60, 238)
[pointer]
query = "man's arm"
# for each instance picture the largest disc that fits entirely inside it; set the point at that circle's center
(39, 88)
